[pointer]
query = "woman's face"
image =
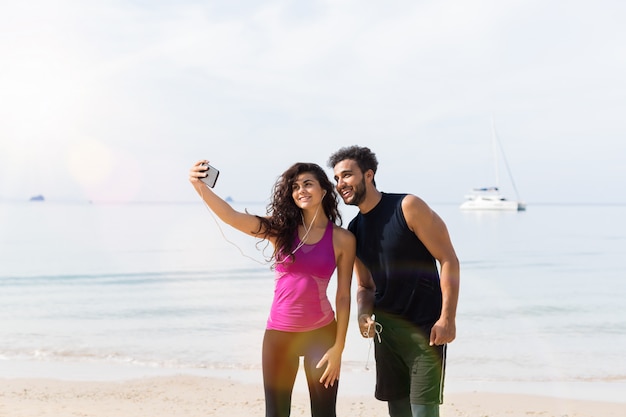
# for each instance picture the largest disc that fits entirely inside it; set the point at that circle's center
(307, 191)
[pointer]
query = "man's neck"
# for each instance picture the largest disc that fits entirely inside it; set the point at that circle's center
(372, 198)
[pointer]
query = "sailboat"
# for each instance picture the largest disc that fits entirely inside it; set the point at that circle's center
(490, 198)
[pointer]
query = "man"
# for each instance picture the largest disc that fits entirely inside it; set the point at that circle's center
(402, 297)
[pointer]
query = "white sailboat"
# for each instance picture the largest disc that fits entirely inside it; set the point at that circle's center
(490, 198)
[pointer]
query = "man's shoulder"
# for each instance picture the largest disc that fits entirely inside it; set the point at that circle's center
(390, 200)
(394, 197)
(411, 200)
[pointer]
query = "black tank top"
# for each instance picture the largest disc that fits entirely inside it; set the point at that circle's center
(404, 271)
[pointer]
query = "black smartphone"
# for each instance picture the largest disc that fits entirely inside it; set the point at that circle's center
(211, 177)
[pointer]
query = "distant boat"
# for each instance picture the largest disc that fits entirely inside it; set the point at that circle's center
(37, 198)
(490, 198)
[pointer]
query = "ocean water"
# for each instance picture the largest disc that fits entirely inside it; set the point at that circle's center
(121, 290)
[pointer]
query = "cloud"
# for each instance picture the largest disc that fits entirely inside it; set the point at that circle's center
(258, 85)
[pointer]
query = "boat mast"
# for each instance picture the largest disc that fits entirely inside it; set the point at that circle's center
(494, 149)
(498, 144)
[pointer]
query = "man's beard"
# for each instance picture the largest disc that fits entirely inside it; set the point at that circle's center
(358, 194)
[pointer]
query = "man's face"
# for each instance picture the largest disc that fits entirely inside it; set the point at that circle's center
(350, 182)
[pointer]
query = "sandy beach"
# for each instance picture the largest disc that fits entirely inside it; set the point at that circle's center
(193, 396)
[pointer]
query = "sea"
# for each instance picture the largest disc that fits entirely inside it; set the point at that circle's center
(110, 291)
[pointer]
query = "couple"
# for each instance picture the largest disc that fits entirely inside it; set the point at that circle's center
(393, 245)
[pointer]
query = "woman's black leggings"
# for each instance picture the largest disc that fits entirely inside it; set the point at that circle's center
(281, 359)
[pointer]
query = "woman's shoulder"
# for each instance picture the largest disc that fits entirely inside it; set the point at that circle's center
(344, 235)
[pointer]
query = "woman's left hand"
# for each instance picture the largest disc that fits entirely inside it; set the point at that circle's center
(332, 359)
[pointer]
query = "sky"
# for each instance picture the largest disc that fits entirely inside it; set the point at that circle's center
(115, 100)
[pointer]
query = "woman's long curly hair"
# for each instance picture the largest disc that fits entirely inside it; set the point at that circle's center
(284, 216)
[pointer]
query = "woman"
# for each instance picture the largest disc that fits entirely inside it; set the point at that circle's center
(308, 247)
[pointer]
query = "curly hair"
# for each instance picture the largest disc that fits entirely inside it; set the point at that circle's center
(363, 156)
(284, 216)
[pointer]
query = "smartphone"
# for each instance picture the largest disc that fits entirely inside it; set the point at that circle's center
(211, 177)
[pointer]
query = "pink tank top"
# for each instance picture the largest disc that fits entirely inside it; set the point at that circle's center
(300, 301)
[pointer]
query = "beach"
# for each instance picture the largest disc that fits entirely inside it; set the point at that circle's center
(103, 314)
(194, 396)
